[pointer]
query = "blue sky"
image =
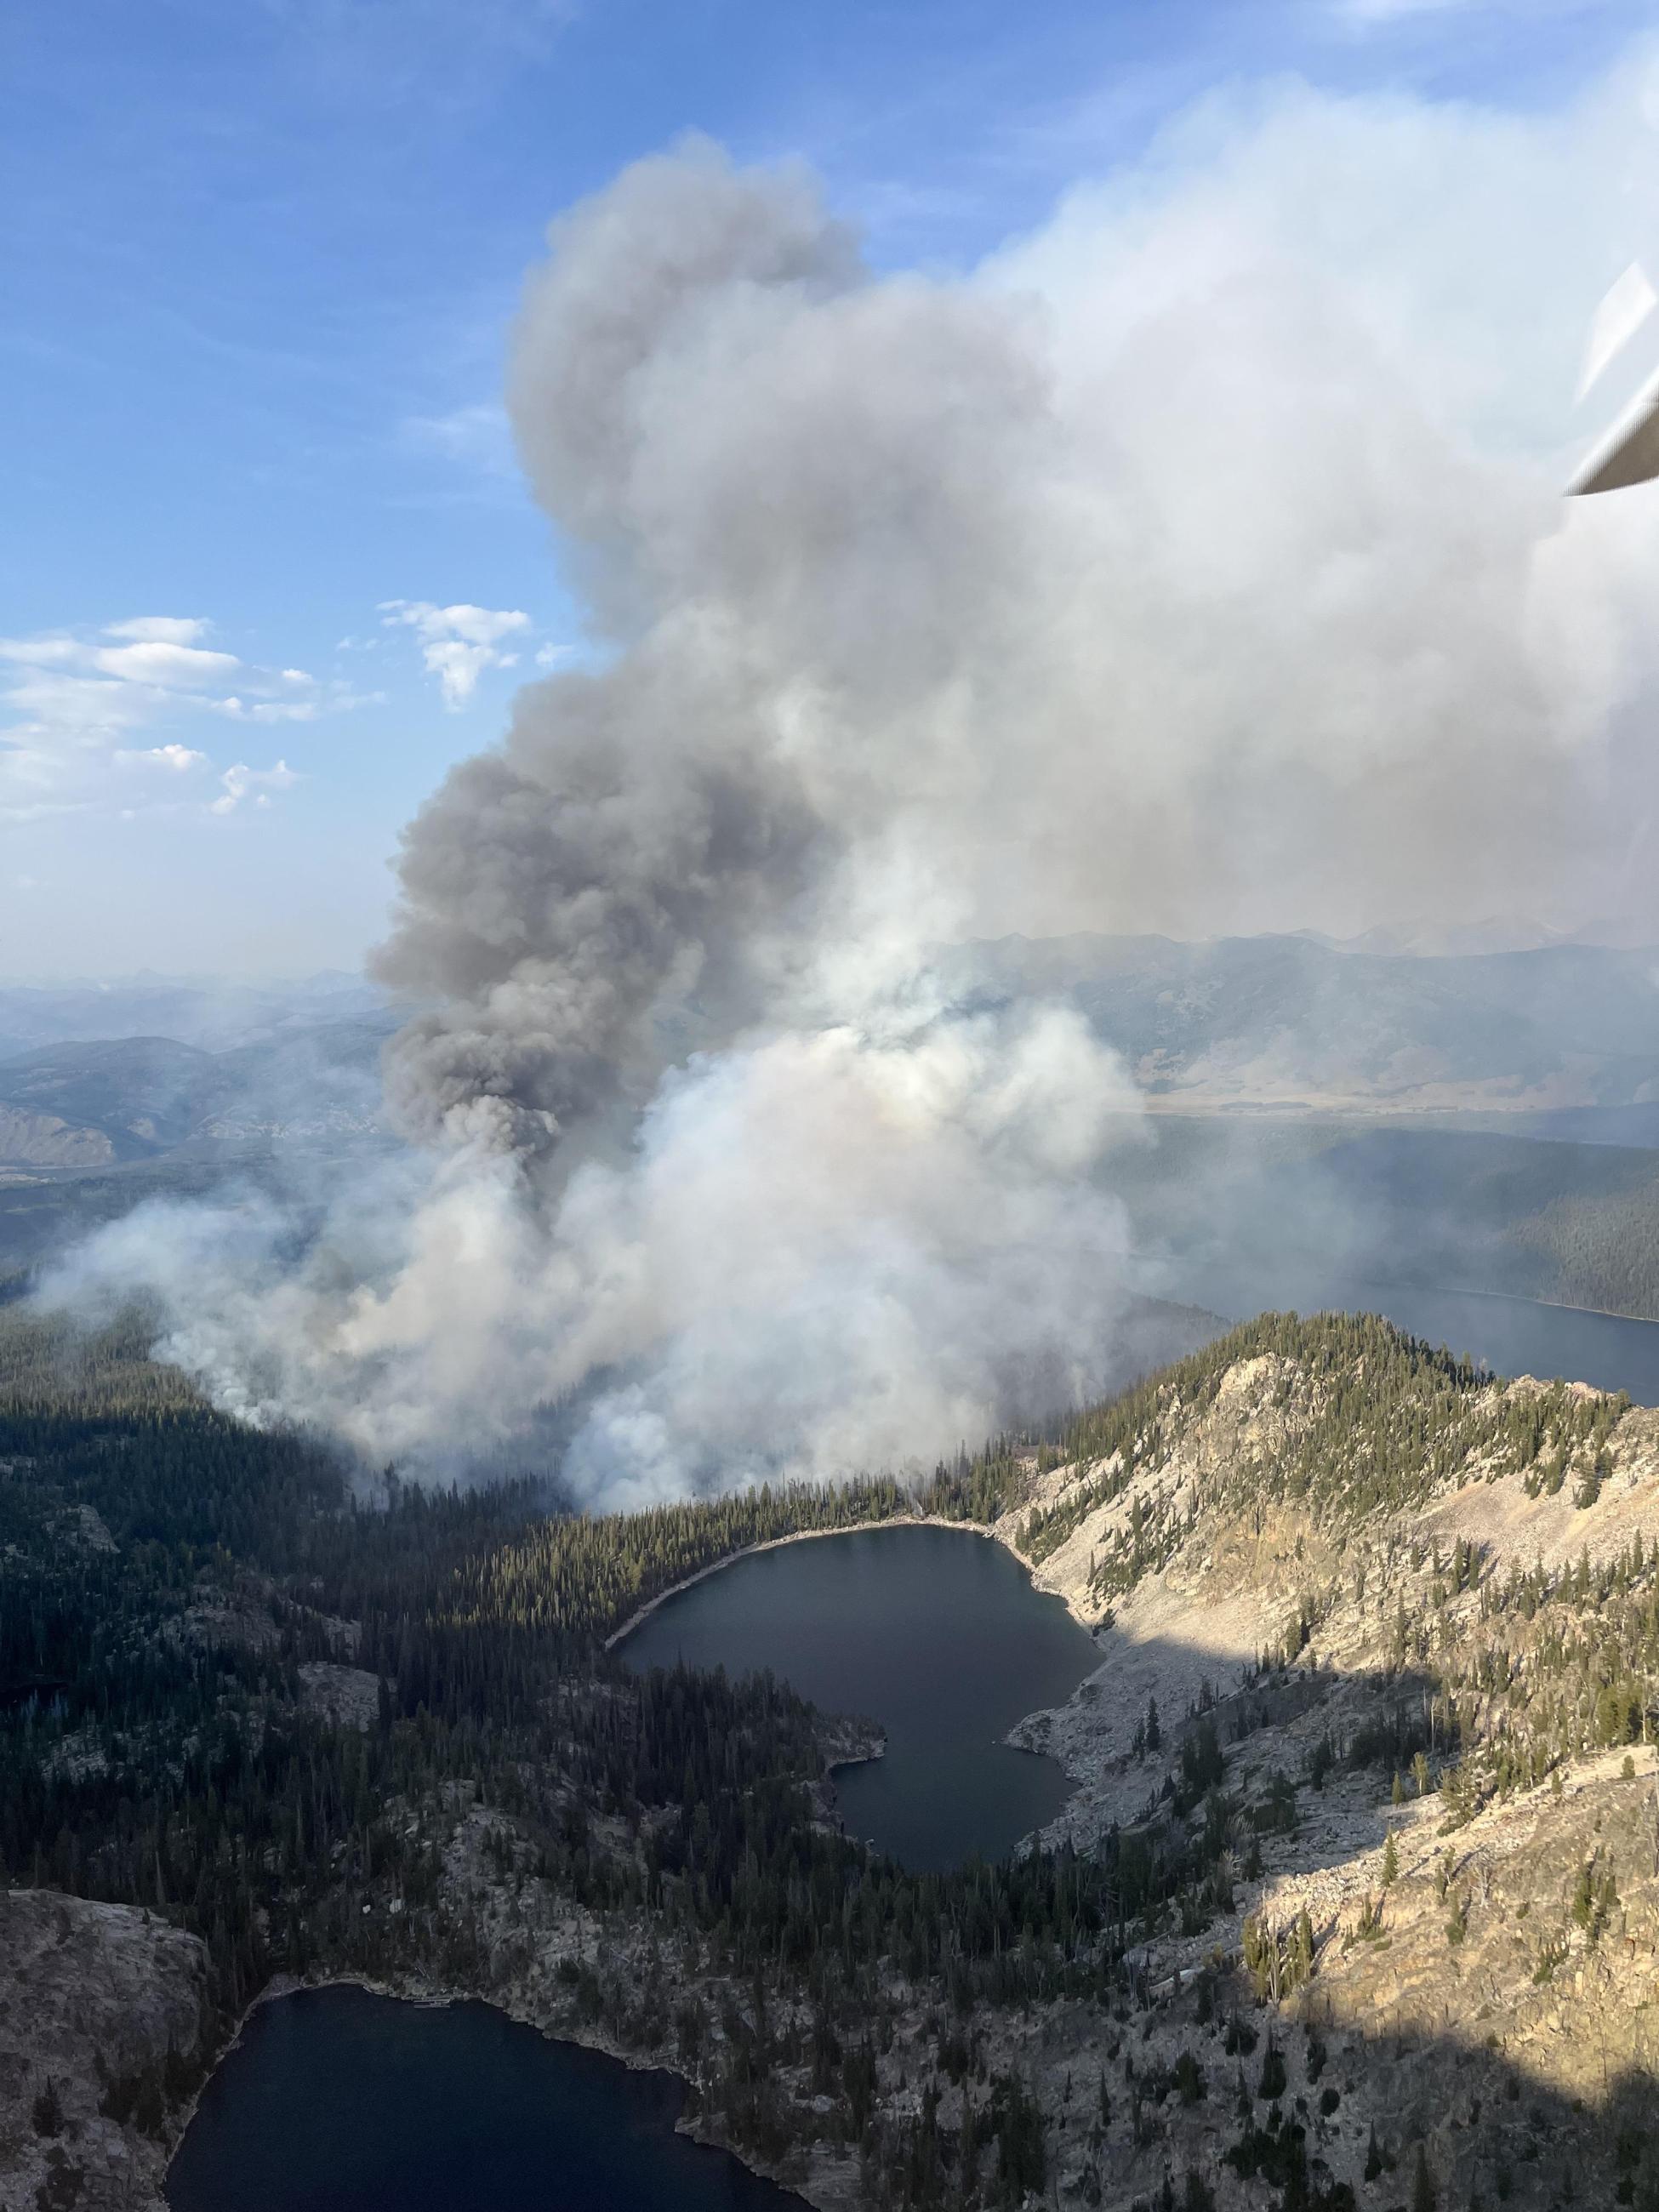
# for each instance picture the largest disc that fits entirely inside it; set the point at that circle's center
(259, 259)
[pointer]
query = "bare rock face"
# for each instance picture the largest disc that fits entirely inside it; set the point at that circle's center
(1384, 1664)
(44, 1141)
(349, 1696)
(100, 2020)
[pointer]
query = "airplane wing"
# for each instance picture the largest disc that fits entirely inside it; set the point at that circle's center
(1629, 454)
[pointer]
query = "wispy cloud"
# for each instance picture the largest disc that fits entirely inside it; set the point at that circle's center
(76, 705)
(161, 630)
(181, 760)
(457, 643)
(321, 700)
(172, 667)
(1364, 15)
(476, 435)
(1386, 11)
(242, 782)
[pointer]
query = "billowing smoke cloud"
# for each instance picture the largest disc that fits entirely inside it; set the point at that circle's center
(1198, 565)
(820, 1251)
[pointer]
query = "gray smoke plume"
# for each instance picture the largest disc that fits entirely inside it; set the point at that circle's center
(1174, 572)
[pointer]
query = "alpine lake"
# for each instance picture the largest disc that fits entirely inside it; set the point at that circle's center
(336, 2100)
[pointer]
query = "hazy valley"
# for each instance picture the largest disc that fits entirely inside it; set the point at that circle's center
(1476, 1121)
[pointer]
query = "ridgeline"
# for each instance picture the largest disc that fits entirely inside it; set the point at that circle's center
(1393, 1607)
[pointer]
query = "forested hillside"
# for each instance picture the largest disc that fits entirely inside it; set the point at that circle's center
(326, 1730)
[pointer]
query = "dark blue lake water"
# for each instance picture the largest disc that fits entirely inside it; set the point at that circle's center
(338, 2101)
(936, 1632)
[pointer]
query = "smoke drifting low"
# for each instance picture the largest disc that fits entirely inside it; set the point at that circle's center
(1197, 566)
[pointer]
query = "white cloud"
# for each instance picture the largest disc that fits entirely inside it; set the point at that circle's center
(161, 630)
(50, 651)
(73, 705)
(457, 643)
(336, 697)
(242, 782)
(237, 709)
(174, 667)
(56, 710)
(178, 758)
(478, 435)
(549, 656)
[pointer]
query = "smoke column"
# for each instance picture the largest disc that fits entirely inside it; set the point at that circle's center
(1164, 573)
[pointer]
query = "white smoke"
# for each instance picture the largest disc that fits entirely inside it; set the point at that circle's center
(1197, 565)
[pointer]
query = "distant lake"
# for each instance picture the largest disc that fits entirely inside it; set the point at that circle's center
(937, 1633)
(338, 2101)
(1513, 1335)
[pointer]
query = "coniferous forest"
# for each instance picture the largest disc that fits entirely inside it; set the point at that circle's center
(176, 1586)
(170, 1572)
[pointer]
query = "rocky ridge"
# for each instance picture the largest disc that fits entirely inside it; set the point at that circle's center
(1376, 1675)
(100, 2027)
(1379, 1637)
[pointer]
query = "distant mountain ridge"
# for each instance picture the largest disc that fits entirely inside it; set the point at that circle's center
(1300, 1020)
(110, 1101)
(214, 1013)
(1295, 1022)
(1294, 1084)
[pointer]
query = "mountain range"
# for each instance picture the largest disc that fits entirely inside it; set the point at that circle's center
(1296, 1022)
(109, 1101)
(1479, 1119)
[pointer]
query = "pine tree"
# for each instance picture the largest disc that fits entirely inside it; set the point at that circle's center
(1424, 2199)
(1304, 1947)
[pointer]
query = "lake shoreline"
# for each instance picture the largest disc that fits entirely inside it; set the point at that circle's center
(430, 1994)
(803, 1536)
(520, 1999)
(1385, 1285)
(520, 2003)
